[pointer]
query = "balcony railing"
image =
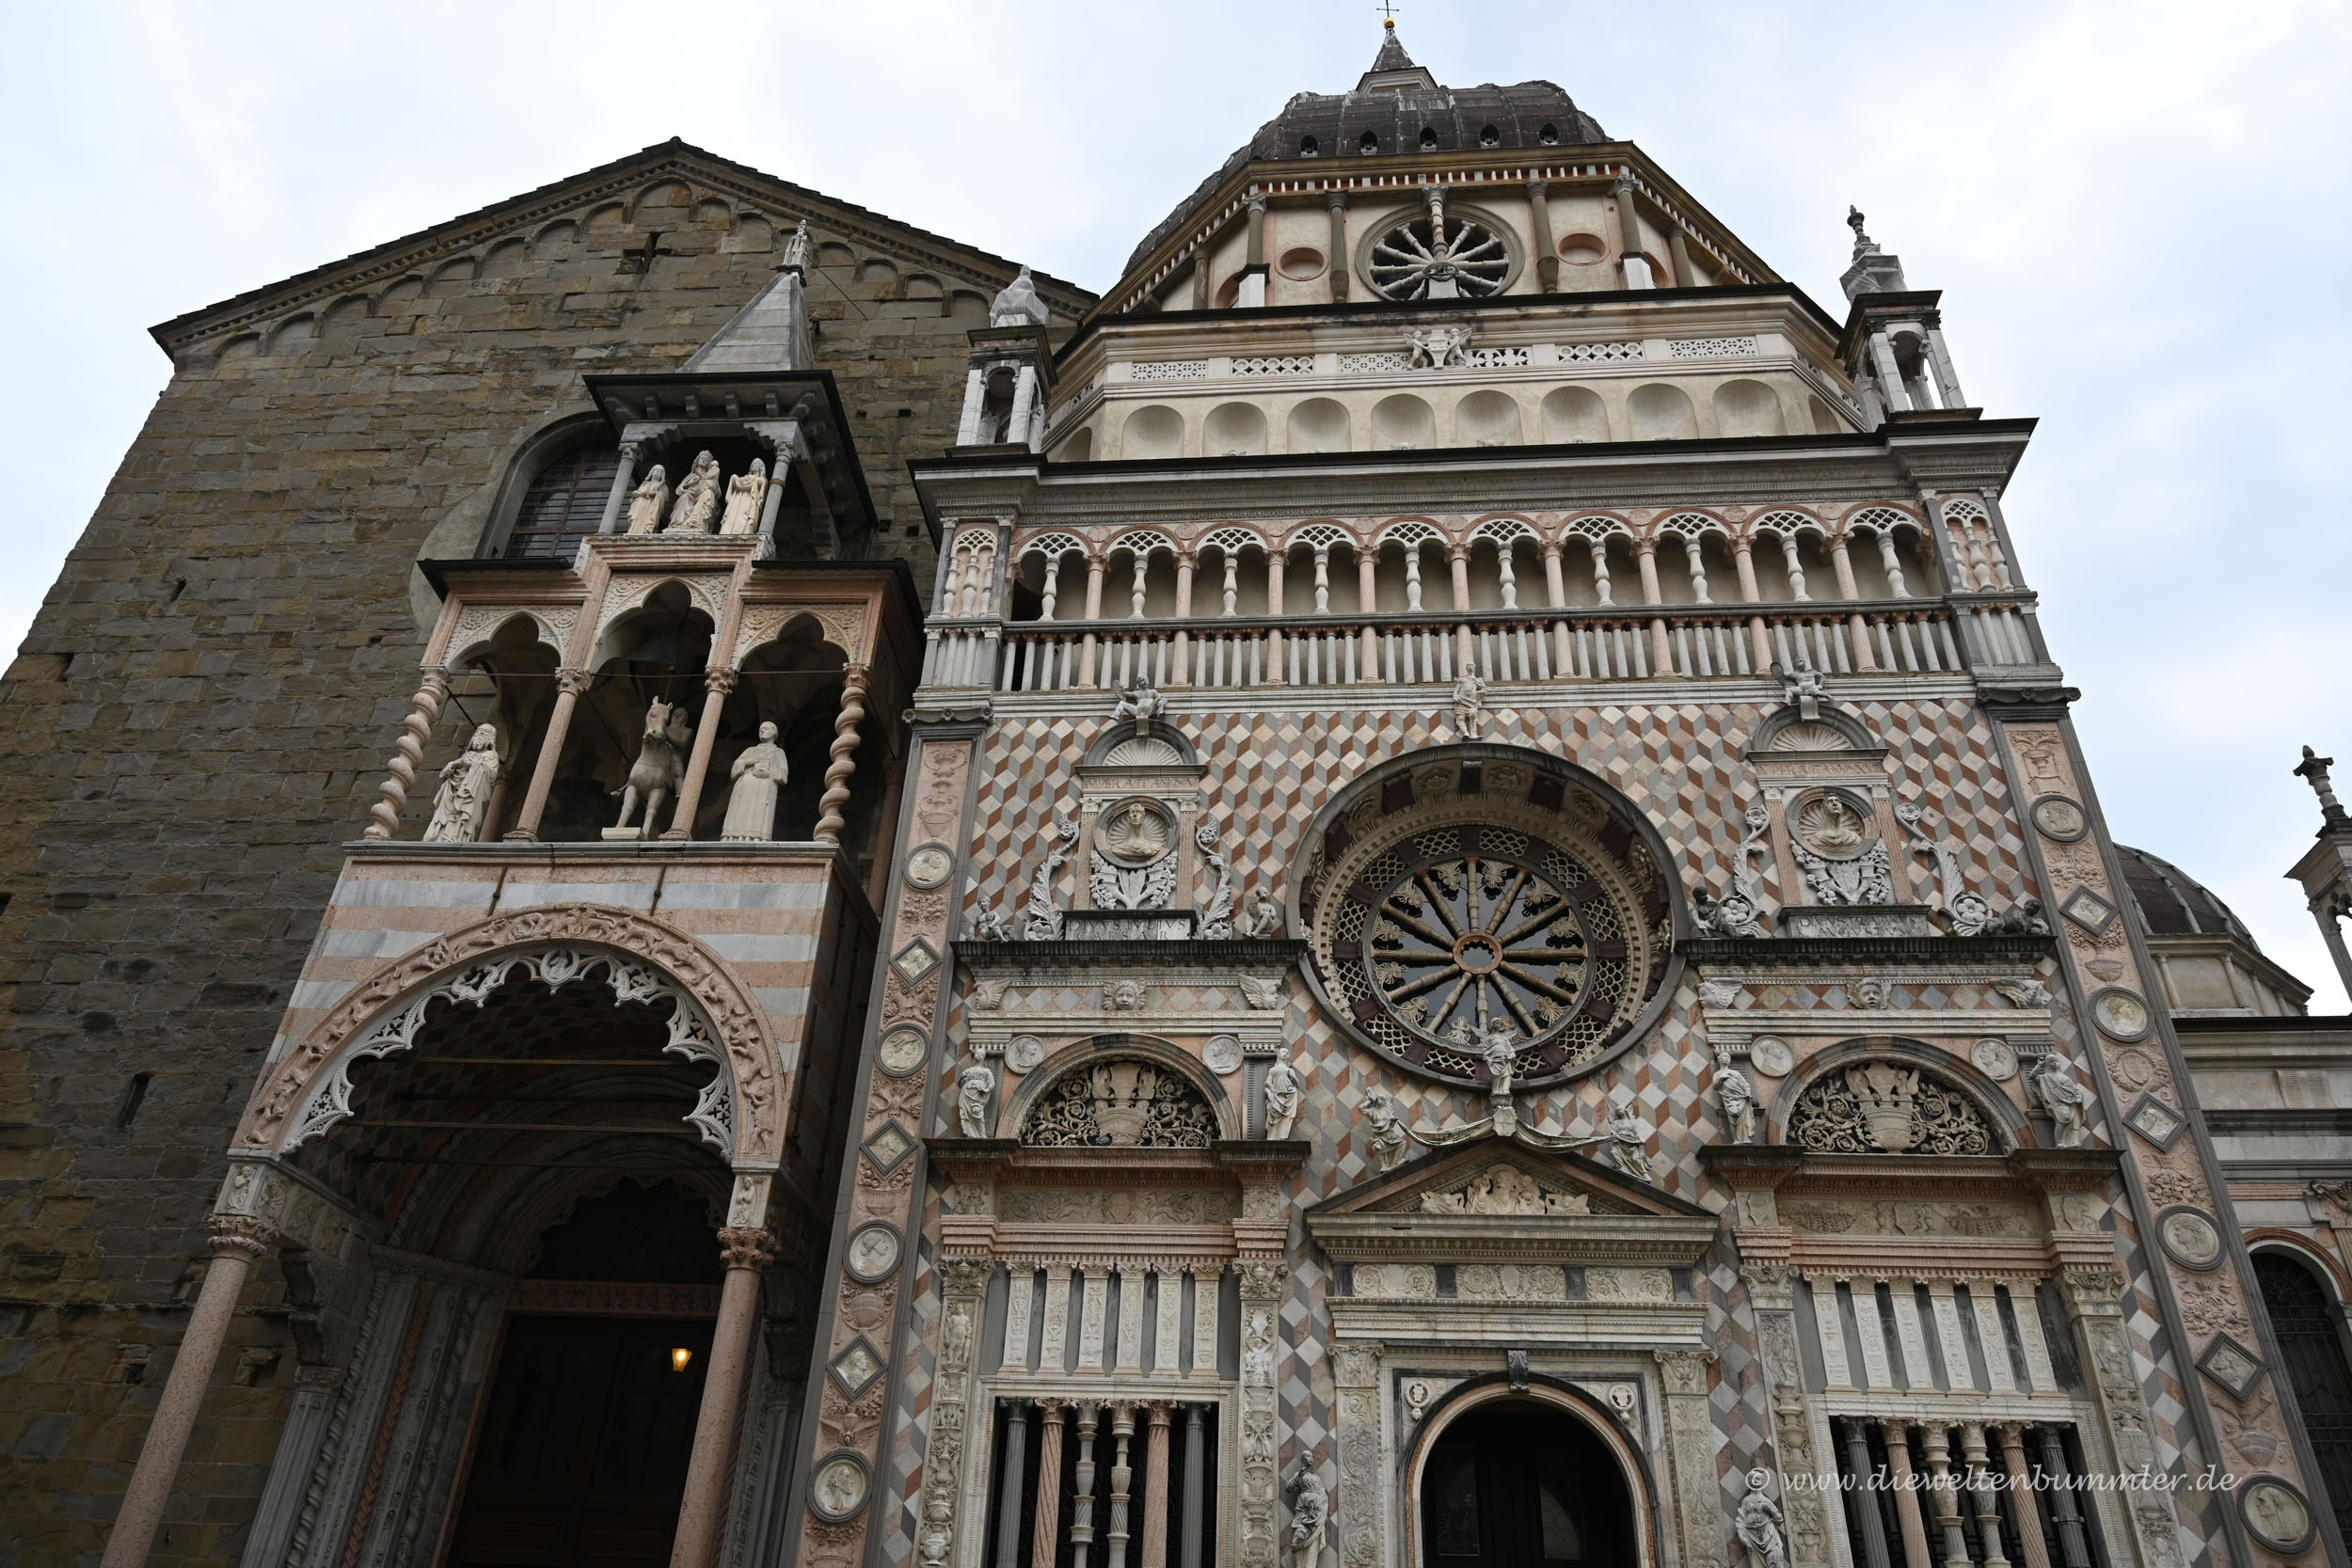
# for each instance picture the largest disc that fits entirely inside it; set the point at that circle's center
(1685, 642)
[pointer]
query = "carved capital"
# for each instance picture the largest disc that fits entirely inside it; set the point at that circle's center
(574, 682)
(1685, 1371)
(747, 1247)
(965, 1277)
(721, 679)
(240, 1236)
(853, 676)
(1262, 1278)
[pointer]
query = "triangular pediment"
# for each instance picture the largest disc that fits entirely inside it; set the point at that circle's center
(1499, 1178)
(602, 207)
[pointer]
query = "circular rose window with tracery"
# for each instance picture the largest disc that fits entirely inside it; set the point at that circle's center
(1485, 907)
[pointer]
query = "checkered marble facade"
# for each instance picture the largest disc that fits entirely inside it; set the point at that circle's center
(1676, 750)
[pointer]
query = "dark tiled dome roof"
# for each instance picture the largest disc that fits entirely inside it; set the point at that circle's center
(1396, 114)
(2173, 903)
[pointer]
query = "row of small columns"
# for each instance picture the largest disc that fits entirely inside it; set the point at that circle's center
(239, 1241)
(1087, 1417)
(1630, 261)
(1457, 557)
(1946, 1479)
(1937, 387)
(571, 683)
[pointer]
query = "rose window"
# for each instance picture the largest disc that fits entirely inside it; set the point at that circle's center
(1471, 915)
(1435, 258)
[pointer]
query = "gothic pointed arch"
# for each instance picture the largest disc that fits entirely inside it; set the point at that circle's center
(637, 958)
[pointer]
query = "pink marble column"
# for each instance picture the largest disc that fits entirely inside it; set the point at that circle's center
(238, 1241)
(1843, 564)
(717, 683)
(747, 1252)
(571, 684)
(1661, 653)
(1155, 1481)
(1045, 1538)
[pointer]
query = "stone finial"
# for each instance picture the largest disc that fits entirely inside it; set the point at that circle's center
(1862, 245)
(1018, 304)
(2313, 771)
(1873, 271)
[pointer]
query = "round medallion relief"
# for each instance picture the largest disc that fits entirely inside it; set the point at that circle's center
(1022, 1052)
(838, 1490)
(2121, 1015)
(873, 1253)
(2277, 1514)
(1769, 1054)
(2189, 1237)
(1483, 898)
(1994, 1059)
(2060, 818)
(2134, 1070)
(1222, 1053)
(902, 1051)
(929, 865)
(1136, 831)
(1832, 824)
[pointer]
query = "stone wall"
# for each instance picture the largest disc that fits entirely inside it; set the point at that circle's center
(206, 700)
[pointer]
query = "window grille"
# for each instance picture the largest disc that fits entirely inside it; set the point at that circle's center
(563, 505)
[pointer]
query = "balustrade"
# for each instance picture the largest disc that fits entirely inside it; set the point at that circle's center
(1686, 642)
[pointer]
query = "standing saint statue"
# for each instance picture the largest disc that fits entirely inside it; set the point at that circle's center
(1626, 1137)
(758, 774)
(1470, 706)
(697, 500)
(2062, 1097)
(465, 793)
(1757, 1525)
(1737, 1093)
(1281, 1100)
(745, 492)
(646, 502)
(796, 249)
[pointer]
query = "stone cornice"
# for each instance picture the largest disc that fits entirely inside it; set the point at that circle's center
(1676, 1241)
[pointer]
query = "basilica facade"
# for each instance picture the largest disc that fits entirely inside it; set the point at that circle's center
(1414, 892)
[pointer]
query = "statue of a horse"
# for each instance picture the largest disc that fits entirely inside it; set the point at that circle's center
(653, 778)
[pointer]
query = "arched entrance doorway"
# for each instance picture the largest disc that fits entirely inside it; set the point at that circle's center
(2311, 1348)
(1518, 1484)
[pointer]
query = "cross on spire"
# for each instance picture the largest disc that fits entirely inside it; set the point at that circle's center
(1387, 15)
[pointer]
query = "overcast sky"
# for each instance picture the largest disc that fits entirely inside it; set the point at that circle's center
(2138, 213)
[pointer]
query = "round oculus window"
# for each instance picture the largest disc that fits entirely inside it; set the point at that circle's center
(1479, 908)
(1440, 259)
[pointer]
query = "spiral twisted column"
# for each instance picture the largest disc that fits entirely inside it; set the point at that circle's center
(416, 730)
(844, 756)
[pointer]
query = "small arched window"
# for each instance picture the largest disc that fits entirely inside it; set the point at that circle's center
(1549, 135)
(1308, 146)
(1370, 145)
(563, 505)
(1428, 138)
(1489, 136)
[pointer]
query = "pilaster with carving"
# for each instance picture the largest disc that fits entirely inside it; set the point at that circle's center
(1261, 1283)
(962, 1282)
(2094, 1300)
(1360, 1507)
(842, 1457)
(2141, 1079)
(1772, 1298)
(1691, 1436)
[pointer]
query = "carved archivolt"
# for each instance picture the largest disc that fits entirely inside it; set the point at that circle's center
(1120, 1103)
(477, 624)
(709, 594)
(1883, 1107)
(843, 624)
(640, 960)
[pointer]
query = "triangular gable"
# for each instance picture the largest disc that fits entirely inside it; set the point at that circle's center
(1494, 1177)
(621, 180)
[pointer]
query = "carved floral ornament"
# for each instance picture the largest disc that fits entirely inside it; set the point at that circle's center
(639, 959)
(1479, 900)
(1887, 1107)
(1120, 1103)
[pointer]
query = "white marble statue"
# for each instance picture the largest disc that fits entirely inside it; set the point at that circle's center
(758, 774)
(1389, 1137)
(992, 925)
(1139, 705)
(1018, 304)
(1805, 690)
(972, 1090)
(745, 492)
(2062, 1097)
(1282, 1094)
(645, 502)
(698, 502)
(1470, 706)
(1438, 348)
(1757, 1525)
(1310, 1514)
(796, 249)
(1626, 1137)
(1738, 1096)
(1265, 914)
(653, 778)
(1499, 1046)
(464, 795)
